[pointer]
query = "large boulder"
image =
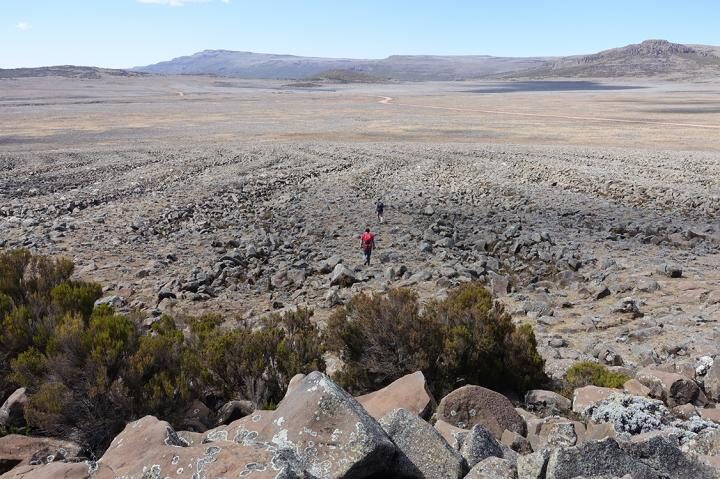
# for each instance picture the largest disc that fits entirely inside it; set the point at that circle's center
(657, 458)
(423, 452)
(409, 393)
(672, 388)
(12, 411)
(547, 403)
(471, 405)
(23, 453)
(480, 444)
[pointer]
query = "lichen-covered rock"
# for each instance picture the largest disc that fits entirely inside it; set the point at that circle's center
(17, 451)
(12, 410)
(471, 405)
(657, 458)
(672, 388)
(587, 396)
(151, 448)
(493, 468)
(547, 403)
(562, 435)
(409, 393)
(329, 430)
(631, 414)
(318, 430)
(423, 452)
(480, 444)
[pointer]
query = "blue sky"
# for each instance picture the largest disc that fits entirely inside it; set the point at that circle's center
(125, 33)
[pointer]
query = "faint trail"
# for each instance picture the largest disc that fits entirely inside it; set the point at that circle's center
(386, 100)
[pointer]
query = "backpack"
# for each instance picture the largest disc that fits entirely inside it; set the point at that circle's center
(367, 240)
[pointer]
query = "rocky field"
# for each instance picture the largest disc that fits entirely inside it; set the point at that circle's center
(227, 203)
(610, 254)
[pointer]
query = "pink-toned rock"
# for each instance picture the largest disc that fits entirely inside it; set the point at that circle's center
(588, 396)
(55, 470)
(636, 388)
(672, 388)
(149, 447)
(409, 393)
(686, 411)
(710, 414)
(516, 442)
(598, 432)
(294, 381)
(471, 405)
(453, 435)
(17, 451)
(318, 430)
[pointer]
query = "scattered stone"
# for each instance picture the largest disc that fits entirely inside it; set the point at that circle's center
(672, 388)
(342, 276)
(670, 270)
(516, 442)
(547, 403)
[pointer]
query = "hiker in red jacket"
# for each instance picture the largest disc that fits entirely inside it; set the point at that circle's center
(367, 244)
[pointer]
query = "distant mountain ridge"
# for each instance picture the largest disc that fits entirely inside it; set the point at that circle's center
(651, 58)
(646, 59)
(66, 71)
(289, 67)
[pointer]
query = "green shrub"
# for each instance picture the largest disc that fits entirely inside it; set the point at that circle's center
(588, 373)
(76, 297)
(465, 339)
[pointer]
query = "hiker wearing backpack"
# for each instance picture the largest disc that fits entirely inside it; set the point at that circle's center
(380, 209)
(367, 244)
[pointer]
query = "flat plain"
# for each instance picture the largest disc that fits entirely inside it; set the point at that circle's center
(186, 194)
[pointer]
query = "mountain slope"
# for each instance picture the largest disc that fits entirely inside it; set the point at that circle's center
(647, 59)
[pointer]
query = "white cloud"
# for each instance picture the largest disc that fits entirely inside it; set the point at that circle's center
(177, 3)
(23, 26)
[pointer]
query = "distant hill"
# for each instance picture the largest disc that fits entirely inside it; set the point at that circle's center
(67, 71)
(289, 67)
(647, 59)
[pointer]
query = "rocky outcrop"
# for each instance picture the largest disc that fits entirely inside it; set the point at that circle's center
(672, 388)
(26, 453)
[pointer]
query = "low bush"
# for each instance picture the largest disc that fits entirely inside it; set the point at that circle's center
(465, 339)
(588, 373)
